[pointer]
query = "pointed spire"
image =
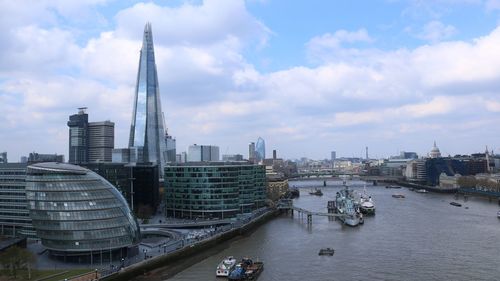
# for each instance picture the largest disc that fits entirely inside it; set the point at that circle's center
(435, 144)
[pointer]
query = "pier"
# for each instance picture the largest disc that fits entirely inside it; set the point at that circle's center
(287, 204)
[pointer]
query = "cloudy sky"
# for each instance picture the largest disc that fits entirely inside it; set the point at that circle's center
(307, 76)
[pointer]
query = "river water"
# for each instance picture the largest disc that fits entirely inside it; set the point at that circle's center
(421, 237)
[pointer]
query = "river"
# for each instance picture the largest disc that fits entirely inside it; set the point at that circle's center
(421, 237)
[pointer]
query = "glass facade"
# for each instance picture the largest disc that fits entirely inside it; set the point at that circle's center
(260, 150)
(76, 210)
(218, 189)
(147, 132)
(14, 214)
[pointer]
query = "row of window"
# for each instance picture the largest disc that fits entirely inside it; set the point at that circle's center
(81, 225)
(71, 216)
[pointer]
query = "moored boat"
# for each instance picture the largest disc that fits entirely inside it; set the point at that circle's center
(316, 192)
(398, 196)
(247, 269)
(348, 207)
(456, 204)
(225, 267)
(498, 214)
(422, 191)
(392, 186)
(366, 205)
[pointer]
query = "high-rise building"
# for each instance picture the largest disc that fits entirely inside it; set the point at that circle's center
(101, 141)
(78, 137)
(203, 153)
(3, 157)
(147, 133)
(260, 150)
(274, 154)
(24, 159)
(171, 149)
(90, 141)
(333, 156)
(251, 152)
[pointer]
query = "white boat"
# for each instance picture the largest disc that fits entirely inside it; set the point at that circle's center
(225, 267)
(422, 191)
(366, 205)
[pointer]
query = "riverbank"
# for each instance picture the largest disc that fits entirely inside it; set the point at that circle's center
(166, 266)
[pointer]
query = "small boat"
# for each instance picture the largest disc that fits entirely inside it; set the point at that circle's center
(326, 252)
(398, 196)
(392, 186)
(422, 191)
(366, 205)
(456, 204)
(316, 192)
(498, 214)
(225, 267)
(246, 270)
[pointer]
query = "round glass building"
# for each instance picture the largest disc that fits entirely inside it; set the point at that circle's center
(76, 212)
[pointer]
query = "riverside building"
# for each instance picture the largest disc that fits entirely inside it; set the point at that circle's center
(214, 189)
(14, 214)
(77, 214)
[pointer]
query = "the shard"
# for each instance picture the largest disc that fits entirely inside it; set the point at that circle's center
(147, 133)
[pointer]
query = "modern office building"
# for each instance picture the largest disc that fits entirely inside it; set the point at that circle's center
(78, 137)
(171, 148)
(147, 133)
(90, 141)
(14, 214)
(78, 214)
(214, 189)
(203, 153)
(24, 159)
(138, 183)
(35, 157)
(101, 141)
(251, 152)
(3, 157)
(260, 150)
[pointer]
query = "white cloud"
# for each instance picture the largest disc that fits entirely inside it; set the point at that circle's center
(435, 31)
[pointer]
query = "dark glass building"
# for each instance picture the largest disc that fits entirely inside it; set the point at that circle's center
(141, 180)
(147, 134)
(214, 189)
(467, 166)
(78, 213)
(78, 137)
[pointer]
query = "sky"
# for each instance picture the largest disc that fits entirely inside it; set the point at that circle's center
(309, 77)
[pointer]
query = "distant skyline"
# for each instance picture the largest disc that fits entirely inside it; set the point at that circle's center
(309, 77)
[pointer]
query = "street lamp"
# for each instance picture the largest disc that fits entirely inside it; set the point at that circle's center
(96, 274)
(145, 251)
(164, 247)
(123, 263)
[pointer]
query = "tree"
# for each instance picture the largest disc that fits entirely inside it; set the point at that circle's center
(467, 181)
(15, 258)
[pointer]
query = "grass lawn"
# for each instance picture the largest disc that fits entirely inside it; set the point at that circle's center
(37, 274)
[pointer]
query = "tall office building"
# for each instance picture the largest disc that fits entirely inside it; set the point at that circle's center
(3, 157)
(251, 152)
(203, 153)
(101, 141)
(171, 149)
(78, 137)
(260, 150)
(147, 134)
(90, 141)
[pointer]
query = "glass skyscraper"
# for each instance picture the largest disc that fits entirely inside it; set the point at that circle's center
(260, 150)
(147, 134)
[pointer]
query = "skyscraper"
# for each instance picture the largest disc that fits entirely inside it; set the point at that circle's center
(251, 152)
(260, 150)
(147, 134)
(78, 137)
(204, 153)
(90, 141)
(101, 141)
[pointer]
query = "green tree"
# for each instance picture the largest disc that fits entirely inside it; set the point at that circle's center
(16, 258)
